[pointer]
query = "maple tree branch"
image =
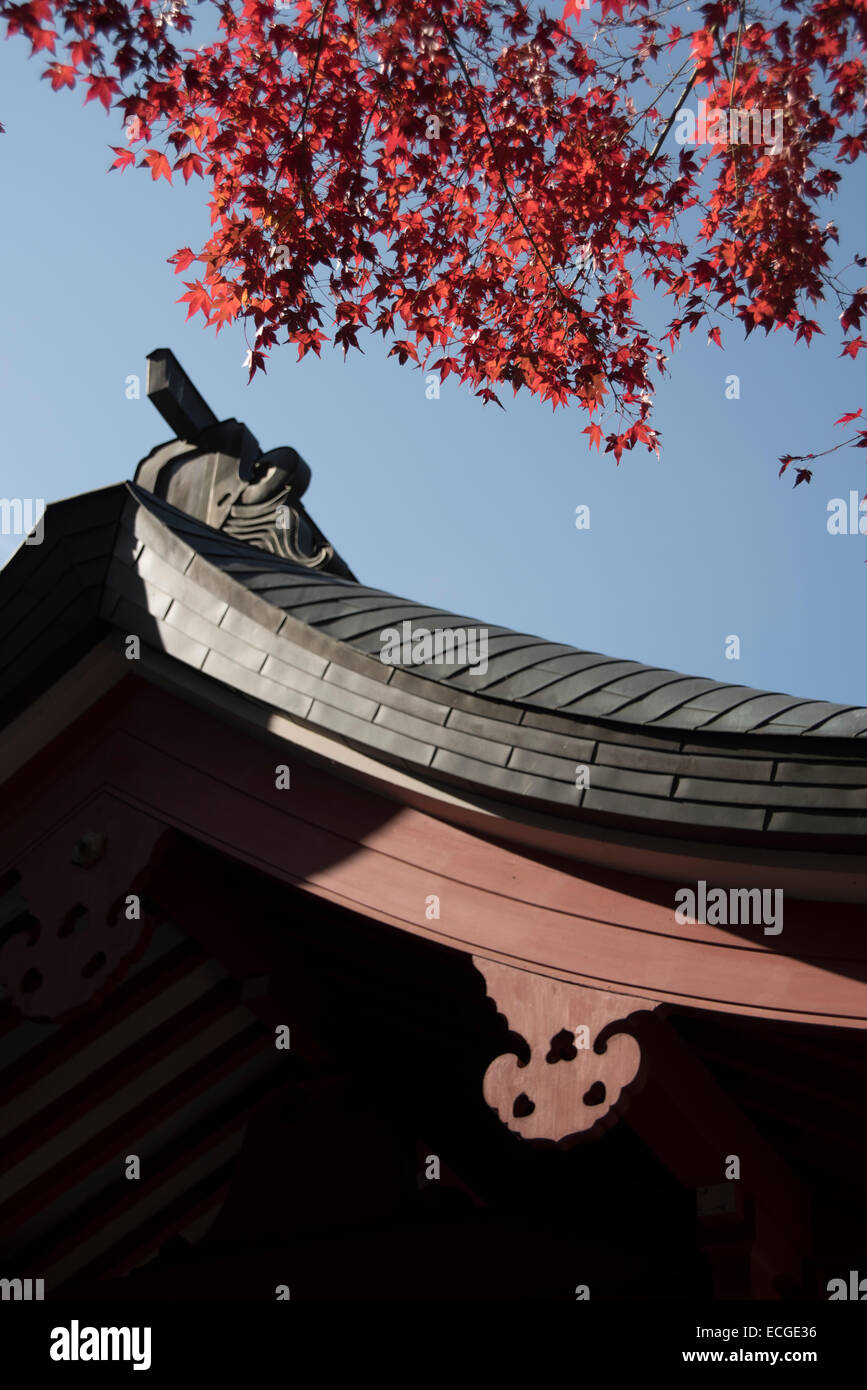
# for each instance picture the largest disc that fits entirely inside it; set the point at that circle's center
(590, 328)
(683, 96)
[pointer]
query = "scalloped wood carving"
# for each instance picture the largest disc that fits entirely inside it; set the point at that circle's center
(73, 883)
(565, 1089)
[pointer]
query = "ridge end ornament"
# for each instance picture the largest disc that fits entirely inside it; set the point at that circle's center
(215, 471)
(564, 1091)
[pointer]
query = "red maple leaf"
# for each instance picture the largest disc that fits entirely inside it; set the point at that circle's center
(595, 432)
(158, 165)
(125, 157)
(853, 347)
(61, 76)
(43, 38)
(101, 89)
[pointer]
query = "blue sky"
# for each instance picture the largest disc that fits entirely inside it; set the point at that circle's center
(446, 501)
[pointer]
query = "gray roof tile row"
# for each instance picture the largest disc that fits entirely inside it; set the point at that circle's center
(660, 749)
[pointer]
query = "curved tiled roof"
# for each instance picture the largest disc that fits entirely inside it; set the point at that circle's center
(665, 753)
(523, 670)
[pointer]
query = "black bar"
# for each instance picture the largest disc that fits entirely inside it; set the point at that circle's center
(175, 396)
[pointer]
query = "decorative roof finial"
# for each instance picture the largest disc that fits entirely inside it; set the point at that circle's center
(216, 471)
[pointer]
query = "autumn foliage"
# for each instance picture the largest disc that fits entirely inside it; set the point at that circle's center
(488, 186)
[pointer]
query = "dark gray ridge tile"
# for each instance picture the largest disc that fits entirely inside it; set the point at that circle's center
(823, 774)
(803, 718)
(133, 620)
(127, 545)
(415, 682)
(300, 586)
(775, 794)
(641, 681)
(88, 509)
(252, 683)
(621, 779)
(19, 660)
(486, 721)
(294, 655)
(727, 746)
(92, 572)
(155, 570)
(522, 684)
(267, 643)
(483, 749)
(847, 724)
(330, 605)
(210, 635)
(321, 690)
(591, 680)
(486, 775)
(51, 622)
(308, 584)
(122, 579)
(742, 769)
(25, 562)
(560, 745)
(53, 568)
(566, 724)
(716, 698)
(600, 704)
(179, 644)
(97, 540)
(365, 671)
(369, 736)
(517, 674)
(328, 649)
(502, 640)
(672, 692)
(235, 561)
(352, 626)
(778, 728)
(456, 676)
(565, 661)
(169, 516)
(806, 823)
(382, 692)
(752, 714)
(283, 596)
(166, 544)
(543, 765)
(238, 599)
(145, 597)
(674, 812)
(689, 718)
(255, 622)
(24, 624)
(17, 607)
(506, 648)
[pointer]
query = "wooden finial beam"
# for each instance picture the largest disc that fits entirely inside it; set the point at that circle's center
(175, 396)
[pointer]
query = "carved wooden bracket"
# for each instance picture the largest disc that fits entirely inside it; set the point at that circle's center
(78, 936)
(567, 1088)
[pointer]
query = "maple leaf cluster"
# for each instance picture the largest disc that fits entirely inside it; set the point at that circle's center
(485, 185)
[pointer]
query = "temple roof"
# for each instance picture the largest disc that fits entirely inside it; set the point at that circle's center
(662, 752)
(522, 670)
(211, 559)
